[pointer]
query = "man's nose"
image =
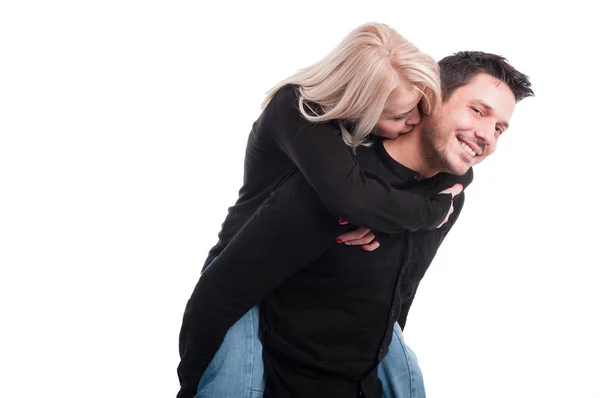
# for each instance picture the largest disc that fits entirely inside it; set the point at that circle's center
(486, 132)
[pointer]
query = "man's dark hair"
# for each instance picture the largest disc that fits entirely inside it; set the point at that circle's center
(459, 69)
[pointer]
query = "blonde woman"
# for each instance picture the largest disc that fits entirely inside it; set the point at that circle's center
(374, 81)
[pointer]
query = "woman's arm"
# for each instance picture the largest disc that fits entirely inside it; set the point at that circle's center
(331, 169)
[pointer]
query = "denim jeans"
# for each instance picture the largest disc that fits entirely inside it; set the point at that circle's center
(399, 371)
(237, 371)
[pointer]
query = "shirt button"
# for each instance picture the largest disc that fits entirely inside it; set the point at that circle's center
(416, 176)
(394, 313)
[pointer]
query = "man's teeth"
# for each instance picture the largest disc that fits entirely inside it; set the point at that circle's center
(468, 148)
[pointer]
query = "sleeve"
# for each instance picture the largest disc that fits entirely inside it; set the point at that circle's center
(331, 169)
(429, 242)
(288, 232)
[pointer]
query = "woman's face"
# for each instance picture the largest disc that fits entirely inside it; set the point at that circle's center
(400, 114)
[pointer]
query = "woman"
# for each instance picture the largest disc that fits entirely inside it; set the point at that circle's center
(374, 81)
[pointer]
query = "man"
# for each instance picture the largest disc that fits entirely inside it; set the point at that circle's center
(328, 312)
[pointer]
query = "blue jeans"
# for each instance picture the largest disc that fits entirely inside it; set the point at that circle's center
(237, 371)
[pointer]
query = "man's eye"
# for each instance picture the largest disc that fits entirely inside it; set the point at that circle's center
(476, 110)
(499, 130)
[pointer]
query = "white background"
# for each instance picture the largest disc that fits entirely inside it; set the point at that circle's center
(123, 126)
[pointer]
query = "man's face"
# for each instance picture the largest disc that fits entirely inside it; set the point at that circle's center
(466, 128)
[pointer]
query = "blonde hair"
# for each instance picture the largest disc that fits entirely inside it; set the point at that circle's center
(354, 81)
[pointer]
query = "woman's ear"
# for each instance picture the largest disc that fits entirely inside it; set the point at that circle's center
(424, 104)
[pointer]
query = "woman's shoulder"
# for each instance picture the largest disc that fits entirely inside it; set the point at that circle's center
(286, 98)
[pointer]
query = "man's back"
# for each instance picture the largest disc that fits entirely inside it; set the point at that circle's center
(328, 325)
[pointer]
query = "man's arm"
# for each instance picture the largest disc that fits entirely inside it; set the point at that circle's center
(428, 244)
(289, 231)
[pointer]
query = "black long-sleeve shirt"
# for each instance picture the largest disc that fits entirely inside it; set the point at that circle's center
(282, 142)
(327, 310)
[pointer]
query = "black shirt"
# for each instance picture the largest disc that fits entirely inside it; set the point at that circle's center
(327, 310)
(282, 142)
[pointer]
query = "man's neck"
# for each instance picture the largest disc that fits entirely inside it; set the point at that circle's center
(408, 151)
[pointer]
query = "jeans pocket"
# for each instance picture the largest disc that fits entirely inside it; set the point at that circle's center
(255, 394)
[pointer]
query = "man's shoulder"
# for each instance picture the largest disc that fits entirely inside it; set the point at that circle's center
(448, 179)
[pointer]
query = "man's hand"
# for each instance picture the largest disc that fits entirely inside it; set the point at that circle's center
(454, 190)
(360, 236)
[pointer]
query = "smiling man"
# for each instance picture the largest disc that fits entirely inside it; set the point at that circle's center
(465, 131)
(329, 314)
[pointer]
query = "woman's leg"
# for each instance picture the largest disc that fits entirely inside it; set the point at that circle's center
(236, 371)
(399, 371)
